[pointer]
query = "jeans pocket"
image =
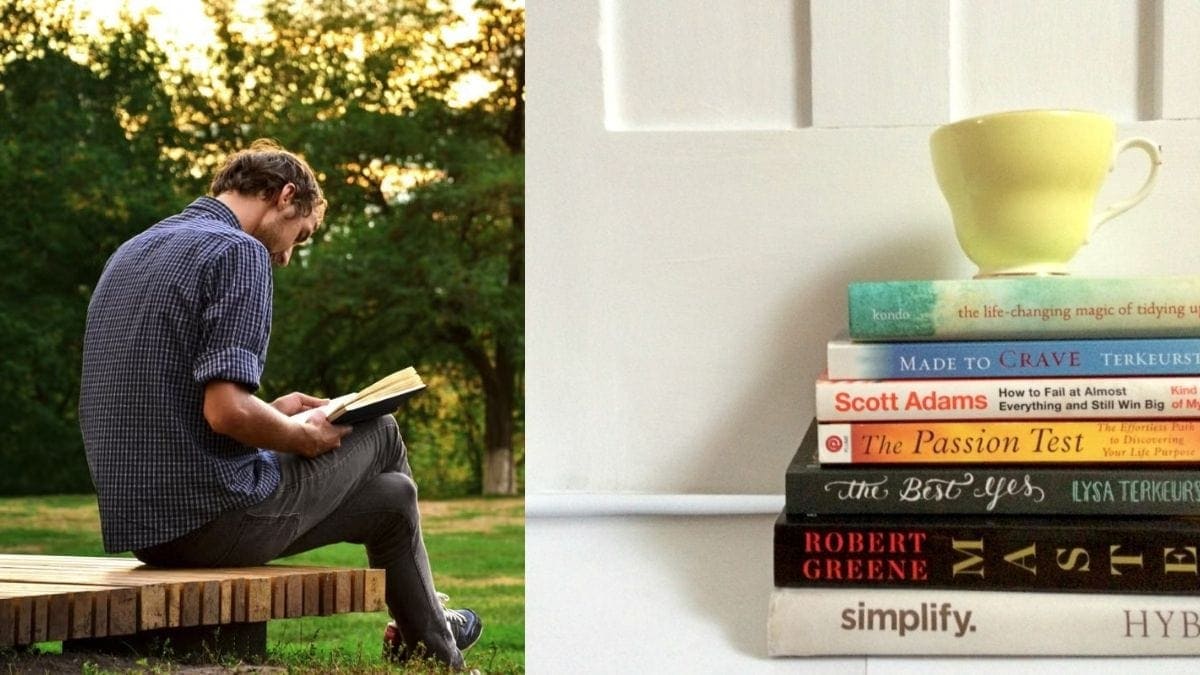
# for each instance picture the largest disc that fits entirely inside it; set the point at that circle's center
(259, 539)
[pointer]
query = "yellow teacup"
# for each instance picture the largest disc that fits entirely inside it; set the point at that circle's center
(1022, 185)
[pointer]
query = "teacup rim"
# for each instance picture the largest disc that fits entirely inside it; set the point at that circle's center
(1025, 112)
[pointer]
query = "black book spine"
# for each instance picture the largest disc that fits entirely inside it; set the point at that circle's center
(982, 490)
(1131, 555)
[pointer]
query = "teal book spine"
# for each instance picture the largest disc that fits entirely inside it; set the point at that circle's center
(1024, 308)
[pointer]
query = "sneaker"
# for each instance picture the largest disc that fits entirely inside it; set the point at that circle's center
(465, 626)
(393, 648)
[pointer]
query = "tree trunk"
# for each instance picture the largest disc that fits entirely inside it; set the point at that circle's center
(498, 474)
(499, 386)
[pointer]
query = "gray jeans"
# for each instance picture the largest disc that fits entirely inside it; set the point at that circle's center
(362, 492)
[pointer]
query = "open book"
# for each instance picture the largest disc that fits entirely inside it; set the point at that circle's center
(381, 398)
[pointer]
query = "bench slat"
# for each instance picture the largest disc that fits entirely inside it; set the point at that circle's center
(226, 602)
(8, 623)
(189, 608)
(238, 604)
(82, 610)
(152, 607)
(344, 590)
(295, 596)
(76, 597)
(258, 599)
(41, 610)
(24, 620)
(100, 615)
(122, 611)
(210, 603)
(18, 589)
(312, 594)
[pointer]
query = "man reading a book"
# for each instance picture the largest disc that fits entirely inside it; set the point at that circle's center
(191, 468)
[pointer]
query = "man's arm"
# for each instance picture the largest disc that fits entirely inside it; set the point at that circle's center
(232, 411)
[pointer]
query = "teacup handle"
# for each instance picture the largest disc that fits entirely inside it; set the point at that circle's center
(1151, 149)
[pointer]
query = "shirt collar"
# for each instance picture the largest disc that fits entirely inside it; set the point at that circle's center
(217, 209)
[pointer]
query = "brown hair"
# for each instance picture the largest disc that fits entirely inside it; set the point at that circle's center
(263, 170)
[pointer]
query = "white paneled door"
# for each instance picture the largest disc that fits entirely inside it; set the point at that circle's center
(704, 177)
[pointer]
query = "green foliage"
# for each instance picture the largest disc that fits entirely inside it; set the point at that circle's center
(74, 183)
(430, 275)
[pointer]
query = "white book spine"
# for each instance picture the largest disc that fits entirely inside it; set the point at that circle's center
(872, 622)
(1008, 398)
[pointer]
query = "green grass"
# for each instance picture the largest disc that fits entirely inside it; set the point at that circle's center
(476, 546)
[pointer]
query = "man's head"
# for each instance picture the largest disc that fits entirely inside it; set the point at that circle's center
(274, 194)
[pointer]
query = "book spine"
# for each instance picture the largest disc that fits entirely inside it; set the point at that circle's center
(1044, 307)
(1135, 555)
(825, 622)
(1006, 441)
(999, 398)
(982, 490)
(848, 360)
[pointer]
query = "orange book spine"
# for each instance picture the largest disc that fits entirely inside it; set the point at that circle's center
(1023, 442)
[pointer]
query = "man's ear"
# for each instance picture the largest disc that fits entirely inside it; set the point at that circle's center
(286, 194)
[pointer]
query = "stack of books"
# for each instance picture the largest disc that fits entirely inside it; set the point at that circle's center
(999, 466)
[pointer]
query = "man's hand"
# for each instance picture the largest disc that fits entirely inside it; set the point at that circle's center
(296, 403)
(322, 435)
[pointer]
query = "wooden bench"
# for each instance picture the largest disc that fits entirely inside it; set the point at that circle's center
(119, 604)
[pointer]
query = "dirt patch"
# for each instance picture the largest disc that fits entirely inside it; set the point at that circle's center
(480, 524)
(488, 514)
(508, 507)
(459, 582)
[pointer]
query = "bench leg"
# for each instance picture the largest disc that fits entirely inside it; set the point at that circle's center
(241, 641)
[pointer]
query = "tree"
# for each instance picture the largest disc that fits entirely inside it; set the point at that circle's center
(422, 258)
(81, 127)
(426, 191)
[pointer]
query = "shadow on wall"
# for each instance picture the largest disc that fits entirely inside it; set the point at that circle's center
(750, 442)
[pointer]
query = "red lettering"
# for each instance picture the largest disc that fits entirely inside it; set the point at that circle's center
(920, 570)
(876, 543)
(870, 541)
(844, 402)
(918, 539)
(875, 569)
(833, 570)
(854, 568)
(811, 569)
(856, 542)
(812, 542)
(870, 569)
(835, 542)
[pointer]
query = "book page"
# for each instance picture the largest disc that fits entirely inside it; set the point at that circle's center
(399, 382)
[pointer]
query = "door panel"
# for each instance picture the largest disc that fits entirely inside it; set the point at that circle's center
(698, 203)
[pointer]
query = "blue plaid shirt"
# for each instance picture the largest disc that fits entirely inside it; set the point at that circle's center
(185, 302)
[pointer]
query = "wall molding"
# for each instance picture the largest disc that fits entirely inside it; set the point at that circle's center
(590, 505)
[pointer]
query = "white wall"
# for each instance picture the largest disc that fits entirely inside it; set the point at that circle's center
(705, 177)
